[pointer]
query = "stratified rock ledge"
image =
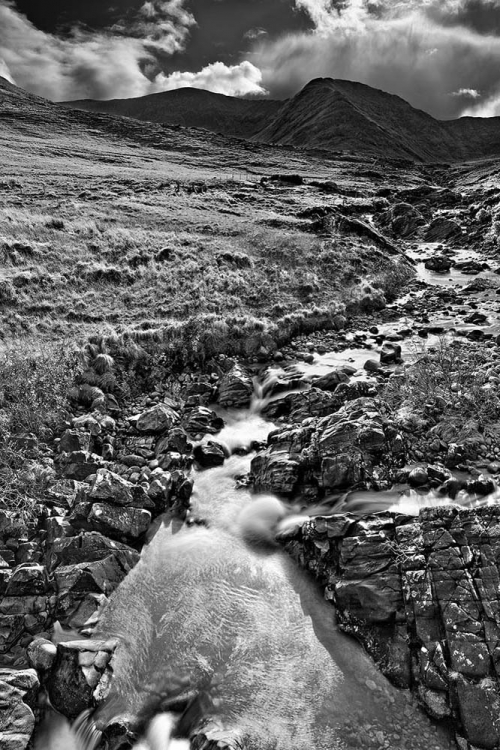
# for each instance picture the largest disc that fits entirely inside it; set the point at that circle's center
(423, 596)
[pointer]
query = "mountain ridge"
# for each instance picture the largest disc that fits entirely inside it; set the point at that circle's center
(326, 115)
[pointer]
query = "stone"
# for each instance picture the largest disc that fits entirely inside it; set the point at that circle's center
(390, 353)
(235, 389)
(82, 464)
(438, 263)
(418, 477)
(201, 420)
(479, 707)
(27, 580)
(403, 219)
(18, 690)
(111, 487)
(441, 229)
(119, 522)
(41, 654)
(71, 685)
(331, 380)
(158, 418)
(74, 440)
(87, 547)
(209, 454)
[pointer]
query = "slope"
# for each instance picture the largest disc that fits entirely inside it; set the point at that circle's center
(191, 107)
(343, 115)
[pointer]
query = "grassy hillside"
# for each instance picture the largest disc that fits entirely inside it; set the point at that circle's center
(191, 108)
(103, 228)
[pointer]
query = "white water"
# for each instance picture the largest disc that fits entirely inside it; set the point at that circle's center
(221, 611)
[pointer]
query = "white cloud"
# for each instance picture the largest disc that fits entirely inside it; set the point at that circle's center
(468, 93)
(232, 80)
(5, 72)
(405, 48)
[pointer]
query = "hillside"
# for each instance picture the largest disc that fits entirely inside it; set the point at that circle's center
(191, 108)
(344, 115)
(327, 114)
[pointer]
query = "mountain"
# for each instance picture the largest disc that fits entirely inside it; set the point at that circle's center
(192, 108)
(327, 115)
(344, 115)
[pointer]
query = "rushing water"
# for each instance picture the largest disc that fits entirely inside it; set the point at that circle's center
(221, 612)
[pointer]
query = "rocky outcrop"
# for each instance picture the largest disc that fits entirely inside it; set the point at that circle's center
(422, 595)
(357, 446)
(18, 698)
(441, 229)
(402, 219)
(438, 263)
(235, 389)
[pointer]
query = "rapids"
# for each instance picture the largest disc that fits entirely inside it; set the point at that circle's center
(219, 611)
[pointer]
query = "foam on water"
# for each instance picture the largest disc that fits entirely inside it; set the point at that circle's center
(220, 613)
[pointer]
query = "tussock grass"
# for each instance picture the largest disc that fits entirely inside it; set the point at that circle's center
(35, 380)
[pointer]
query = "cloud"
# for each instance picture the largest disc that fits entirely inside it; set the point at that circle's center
(405, 48)
(121, 61)
(5, 72)
(469, 93)
(234, 80)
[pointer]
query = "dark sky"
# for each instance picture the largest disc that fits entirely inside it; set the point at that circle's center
(219, 33)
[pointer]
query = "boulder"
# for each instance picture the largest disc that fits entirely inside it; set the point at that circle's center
(236, 389)
(403, 219)
(201, 420)
(331, 380)
(81, 464)
(209, 454)
(438, 263)
(390, 354)
(79, 667)
(353, 445)
(441, 229)
(117, 522)
(111, 488)
(18, 691)
(158, 418)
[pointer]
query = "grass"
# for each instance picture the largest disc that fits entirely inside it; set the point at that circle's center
(35, 383)
(452, 382)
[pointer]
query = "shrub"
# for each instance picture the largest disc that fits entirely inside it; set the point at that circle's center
(34, 383)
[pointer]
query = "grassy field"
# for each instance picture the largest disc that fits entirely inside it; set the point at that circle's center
(103, 230)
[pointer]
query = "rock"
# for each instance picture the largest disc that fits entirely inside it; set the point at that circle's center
(82, 464)
(90, 546)
(332, 452)
(390, 354)
(418, 477)
(481, 485)
(236, 389)
(27, 580)
(158, 418)
(18, 690)
(118, 522)
(76, 674)
(331, 380)
(403, 219)
(202, 420)
(371, 365)
(41, 654)
(275, 472)
(441, 229)
(423, 591)
(209, 454)
(74, 440)
(438, 263)
(479, 706)
(111, 487)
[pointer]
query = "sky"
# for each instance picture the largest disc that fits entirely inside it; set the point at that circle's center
(443, 56)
